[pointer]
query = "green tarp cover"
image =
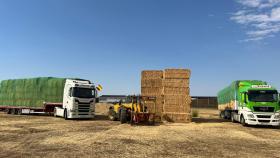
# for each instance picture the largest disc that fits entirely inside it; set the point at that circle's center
(229, 93)
(31, 92)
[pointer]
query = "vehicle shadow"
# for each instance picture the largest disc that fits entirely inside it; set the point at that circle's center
(101, 118)
(209, 120)
(263, 127)
(96, 118)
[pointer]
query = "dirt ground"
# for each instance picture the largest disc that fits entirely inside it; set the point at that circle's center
(207, 136)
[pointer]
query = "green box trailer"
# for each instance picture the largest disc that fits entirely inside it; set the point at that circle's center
(251, 102)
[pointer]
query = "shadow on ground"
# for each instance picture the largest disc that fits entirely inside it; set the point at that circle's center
(209, 120)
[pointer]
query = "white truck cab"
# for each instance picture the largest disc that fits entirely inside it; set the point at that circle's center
(79, 100)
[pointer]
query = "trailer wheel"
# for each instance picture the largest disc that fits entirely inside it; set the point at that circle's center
(242, 121)
(13, 111)
(227, 114)
(123, 115)
(222, 115)
(19, 112)
(8, 111)
(65, 114)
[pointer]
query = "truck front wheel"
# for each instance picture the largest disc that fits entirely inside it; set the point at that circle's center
(232, 117)
(65, 114)
(242, 121)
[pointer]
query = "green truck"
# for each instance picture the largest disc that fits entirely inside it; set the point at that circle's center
(250, 102)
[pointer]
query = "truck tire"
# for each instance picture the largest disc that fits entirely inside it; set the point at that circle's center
(227, 114)
(16, 111)
(19, 112)
(222, 115)
(123, 115)
(242, 121)
(65, 114)
(9, 111)
(54, 112)
(232, 117)
(13, 111)
(112, 115)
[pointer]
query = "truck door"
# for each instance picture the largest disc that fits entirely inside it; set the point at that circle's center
(244, 99)
(67, 96)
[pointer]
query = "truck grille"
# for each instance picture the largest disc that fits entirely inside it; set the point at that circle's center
(264, 121)
(84, 108)
(264, 116)
(263, 109)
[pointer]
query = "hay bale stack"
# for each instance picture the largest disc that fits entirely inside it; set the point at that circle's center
(171, 87)
(177, 100)
(152, 85)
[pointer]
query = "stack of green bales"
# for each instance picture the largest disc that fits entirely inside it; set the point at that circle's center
(31, 92)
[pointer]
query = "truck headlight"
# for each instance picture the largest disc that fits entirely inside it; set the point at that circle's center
(250, 116)
(277, 117)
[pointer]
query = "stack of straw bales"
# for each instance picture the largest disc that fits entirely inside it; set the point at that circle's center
(152, 85)
(171, 87)
(31, 92)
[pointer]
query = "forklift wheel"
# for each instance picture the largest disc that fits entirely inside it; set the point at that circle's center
(123, 115)
(112, 115)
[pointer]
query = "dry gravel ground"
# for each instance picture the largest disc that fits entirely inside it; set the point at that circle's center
(208, 136)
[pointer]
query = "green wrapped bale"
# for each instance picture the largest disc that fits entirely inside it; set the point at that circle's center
(31, 92)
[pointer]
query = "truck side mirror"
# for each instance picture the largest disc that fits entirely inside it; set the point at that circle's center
(245, 97)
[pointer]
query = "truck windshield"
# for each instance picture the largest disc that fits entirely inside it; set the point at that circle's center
(263, 96)
(83, 92)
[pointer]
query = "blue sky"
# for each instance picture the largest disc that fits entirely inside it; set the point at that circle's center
(111, 41)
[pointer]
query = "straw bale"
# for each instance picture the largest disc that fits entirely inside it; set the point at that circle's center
(177, 99)
(151, 83)
(176, 91)
(176, 108)
(155, 107)
(176, 83)
(227, 106)
(177, 73)
(177, 117)
(151, 91)
(152, 74)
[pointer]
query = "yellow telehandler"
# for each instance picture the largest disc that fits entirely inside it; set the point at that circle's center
(133, 110)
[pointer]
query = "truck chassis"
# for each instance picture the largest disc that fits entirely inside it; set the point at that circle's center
(48, 108)
(246, 117)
